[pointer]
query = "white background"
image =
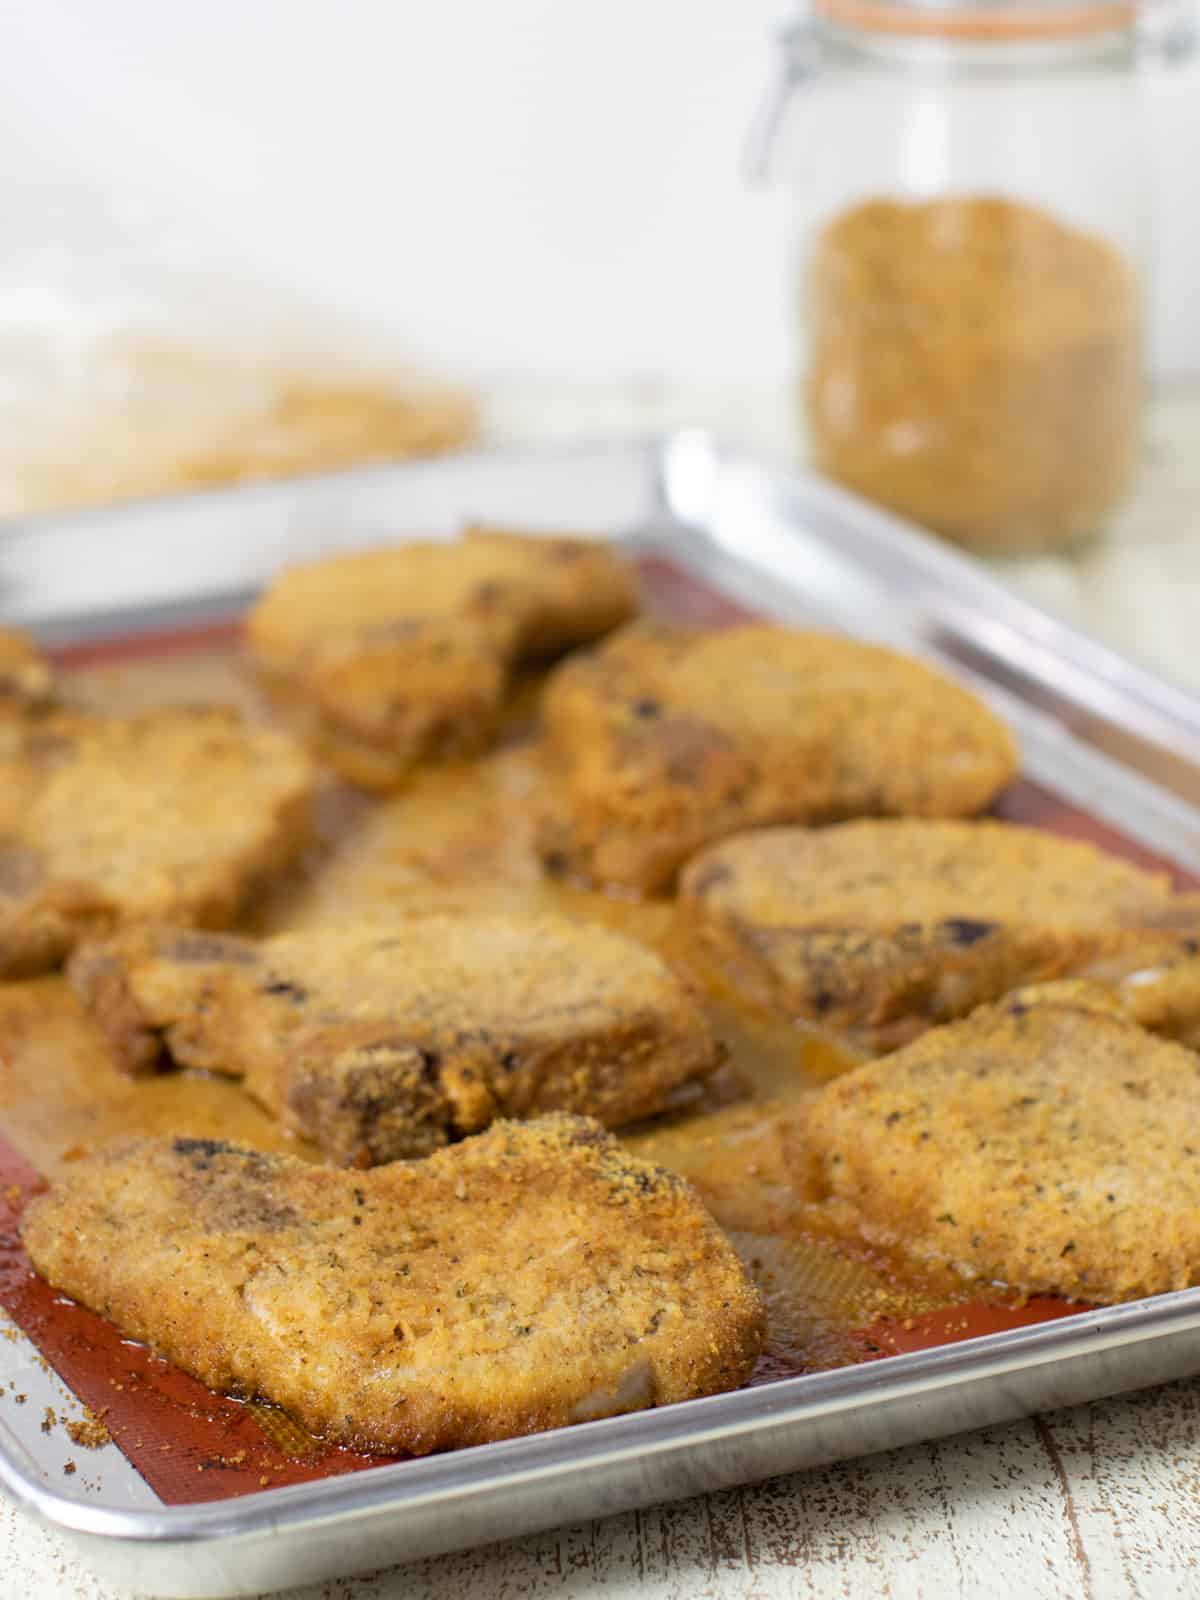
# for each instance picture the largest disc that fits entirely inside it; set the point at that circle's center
(496, 186)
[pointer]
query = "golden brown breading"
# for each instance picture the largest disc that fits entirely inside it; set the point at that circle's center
(667, 738)
(882, 928)
(1047, 1143)
(526, 1279)
(175, 813)
(386, 1039)
(26, 676)
(401, 653)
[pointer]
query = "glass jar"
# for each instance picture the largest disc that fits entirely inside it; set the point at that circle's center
(972, 194)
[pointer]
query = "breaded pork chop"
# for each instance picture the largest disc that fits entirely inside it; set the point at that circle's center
(529, 1278)
(407, 652)
(386, 1039)
(883, 928)
(1047, 1143)
(174, 813)
(666, 738)
(26, 676)
(1160, 987)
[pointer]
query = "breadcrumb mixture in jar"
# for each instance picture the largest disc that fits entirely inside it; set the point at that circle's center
(970, 201)
(975, 364)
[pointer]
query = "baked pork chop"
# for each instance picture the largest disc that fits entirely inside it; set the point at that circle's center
(667, 738)
(881, 929)
(173, 814)
(525, 1279)
(393, 655)
(1160, 986)
(380, 1040)
(1047, 1143)
(27, 682)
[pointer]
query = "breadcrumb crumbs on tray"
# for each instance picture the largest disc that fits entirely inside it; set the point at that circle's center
(89, 1431)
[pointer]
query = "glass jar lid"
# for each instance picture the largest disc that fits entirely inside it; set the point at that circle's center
(1164, 30)
(979, 19)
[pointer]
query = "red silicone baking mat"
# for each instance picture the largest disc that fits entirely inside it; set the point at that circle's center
(193, 1445)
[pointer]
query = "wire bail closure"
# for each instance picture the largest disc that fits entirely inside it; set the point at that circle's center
(1167, 31)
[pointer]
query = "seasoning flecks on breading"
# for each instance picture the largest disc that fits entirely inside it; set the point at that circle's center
(380, 1040)
(1047, 1143)
(883, 928)
(529, 1278)
(667, 738)
(170, 814)
(393, 655)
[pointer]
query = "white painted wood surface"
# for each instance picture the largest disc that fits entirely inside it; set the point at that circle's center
(1096, 1503)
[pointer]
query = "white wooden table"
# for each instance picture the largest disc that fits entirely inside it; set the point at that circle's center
(1092, 1504)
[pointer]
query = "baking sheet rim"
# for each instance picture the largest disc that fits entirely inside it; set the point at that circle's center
(785, 1402)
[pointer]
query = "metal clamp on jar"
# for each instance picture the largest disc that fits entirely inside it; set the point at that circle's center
(972, 192)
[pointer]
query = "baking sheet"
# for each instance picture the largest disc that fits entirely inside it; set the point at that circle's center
(717, 517)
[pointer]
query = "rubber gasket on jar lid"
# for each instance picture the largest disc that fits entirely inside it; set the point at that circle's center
(972, 22)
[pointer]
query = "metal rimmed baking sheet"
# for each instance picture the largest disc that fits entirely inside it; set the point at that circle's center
(1098, 732)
